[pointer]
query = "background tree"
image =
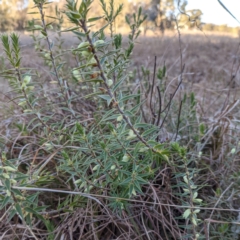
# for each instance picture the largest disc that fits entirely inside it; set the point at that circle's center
(20, 15)
(5, 11)
(12, 14)
(161, 15)
(189, 18)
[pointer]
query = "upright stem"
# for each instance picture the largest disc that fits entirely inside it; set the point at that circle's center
(109, 91)
(63, 89)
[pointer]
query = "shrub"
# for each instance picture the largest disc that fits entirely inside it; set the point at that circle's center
(95, 156)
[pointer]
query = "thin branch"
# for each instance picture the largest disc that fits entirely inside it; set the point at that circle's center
(60, 82)
(178, 121)
(93, 197)
(83, 25)
(151, 95)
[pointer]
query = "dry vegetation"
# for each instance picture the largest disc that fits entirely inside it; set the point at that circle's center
(211, 62)
(211, 70)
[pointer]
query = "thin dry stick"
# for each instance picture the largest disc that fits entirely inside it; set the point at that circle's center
(93, 196)
(151, 95)
(145, 229)
(178, 122)
(208, 222)
(63, 89)
(160, 105)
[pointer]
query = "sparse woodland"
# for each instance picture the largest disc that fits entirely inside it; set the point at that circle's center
(106, 135)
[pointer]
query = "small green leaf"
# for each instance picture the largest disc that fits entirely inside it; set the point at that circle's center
(94, 19)
(141, 180)
(80, 34)
(71, 29)
(43, 33)
(38, 27)
(128, 97)
(187, 213)
(106, 97)
(19, 210)
(202, 129)
(8, 184)
(6, 201)
(12, 214)
(149, 131)
(126, 181)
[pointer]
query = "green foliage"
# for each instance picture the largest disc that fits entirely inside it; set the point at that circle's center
(107, 150)
(92, 142)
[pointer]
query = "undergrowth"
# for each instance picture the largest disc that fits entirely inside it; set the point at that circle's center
(97, 152)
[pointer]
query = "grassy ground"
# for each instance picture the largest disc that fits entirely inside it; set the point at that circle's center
(209, 67)
(210, 62)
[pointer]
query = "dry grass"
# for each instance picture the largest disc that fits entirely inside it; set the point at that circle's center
(211, 62)
(211, 70)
